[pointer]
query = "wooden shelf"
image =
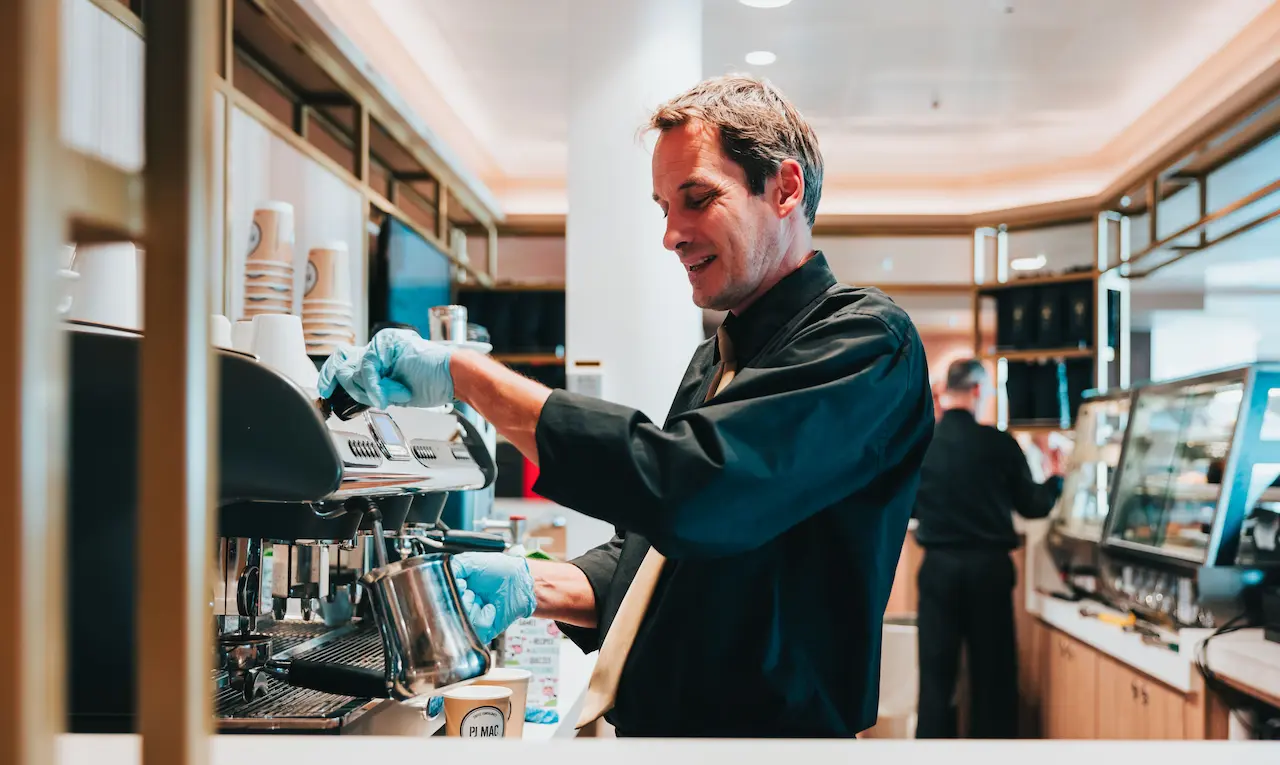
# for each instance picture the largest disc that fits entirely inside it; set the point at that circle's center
(923, 288)
(1037, 426)
(535, 359)
(514, 287)
(1080, 276)
(1040, 354)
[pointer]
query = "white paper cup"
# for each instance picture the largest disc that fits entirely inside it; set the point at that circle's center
(517, 680)
(109, 290)
(220, 332)
(278, 343)
(477, 711)
(242, 336)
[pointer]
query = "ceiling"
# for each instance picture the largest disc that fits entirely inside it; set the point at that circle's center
(896, 87)
(951, 87)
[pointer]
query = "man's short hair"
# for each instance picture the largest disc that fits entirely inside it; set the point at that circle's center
(964, 374)
(759, 129)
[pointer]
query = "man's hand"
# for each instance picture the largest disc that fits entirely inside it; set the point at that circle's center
(496, 590)
(396, 367)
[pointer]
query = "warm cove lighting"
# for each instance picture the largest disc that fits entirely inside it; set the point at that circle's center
(1028, 264)
(765, 3)
(761, 58)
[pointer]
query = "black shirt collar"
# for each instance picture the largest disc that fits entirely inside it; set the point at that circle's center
(959, 415)
(753, 328)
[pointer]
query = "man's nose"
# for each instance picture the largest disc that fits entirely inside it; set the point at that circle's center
(674, 238)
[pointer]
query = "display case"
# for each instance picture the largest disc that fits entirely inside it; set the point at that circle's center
(1187, 533)
(1077, 521)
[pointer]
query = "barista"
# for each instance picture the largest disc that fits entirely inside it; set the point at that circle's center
(760, 525)
(974, 477)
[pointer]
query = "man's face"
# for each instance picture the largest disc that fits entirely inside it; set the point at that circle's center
(726, 238)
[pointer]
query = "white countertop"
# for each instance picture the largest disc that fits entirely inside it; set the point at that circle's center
(1249, 659)
(238, 750)
(1172, 668)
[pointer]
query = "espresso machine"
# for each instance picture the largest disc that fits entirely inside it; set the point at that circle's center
(315, 571)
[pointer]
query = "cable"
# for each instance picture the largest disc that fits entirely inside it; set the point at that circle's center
(1236, 700)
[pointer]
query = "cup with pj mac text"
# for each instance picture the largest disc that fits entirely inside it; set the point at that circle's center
(518, 681)
(478, 711)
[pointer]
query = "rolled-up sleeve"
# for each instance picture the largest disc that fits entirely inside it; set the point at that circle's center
(599, 565)
(779, 443)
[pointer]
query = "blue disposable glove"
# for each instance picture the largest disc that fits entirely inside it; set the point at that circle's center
(496, 590)
(541, 716)
(396, 367)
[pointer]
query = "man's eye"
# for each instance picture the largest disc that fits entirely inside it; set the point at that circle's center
(697, 203)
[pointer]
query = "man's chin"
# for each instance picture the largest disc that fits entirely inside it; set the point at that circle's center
(711, 302)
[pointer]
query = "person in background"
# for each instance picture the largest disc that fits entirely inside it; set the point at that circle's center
(759, 527)
(973, 479)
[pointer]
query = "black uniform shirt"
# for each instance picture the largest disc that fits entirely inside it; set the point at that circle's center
(974, 478)
(781, 506)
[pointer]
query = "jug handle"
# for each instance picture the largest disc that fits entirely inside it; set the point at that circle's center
(338, 679)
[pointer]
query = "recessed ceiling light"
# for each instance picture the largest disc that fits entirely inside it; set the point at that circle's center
(761, 58)
(765, 3)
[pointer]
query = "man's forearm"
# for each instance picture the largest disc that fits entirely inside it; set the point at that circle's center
(563, 593)
(511, 402)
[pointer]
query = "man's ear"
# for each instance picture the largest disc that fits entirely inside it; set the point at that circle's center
(790, 187)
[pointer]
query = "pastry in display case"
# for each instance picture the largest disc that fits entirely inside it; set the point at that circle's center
(1189, 506)
(1076, 523)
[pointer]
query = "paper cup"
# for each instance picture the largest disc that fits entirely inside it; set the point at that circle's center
(477, 711)
(242, 336)
(267, 277)
(267, 299)
(283, 290)
(278, 343)
(256, 269)
(109, 290)
(517, 681)
(271, 233)
(328, 272)
(220, 332)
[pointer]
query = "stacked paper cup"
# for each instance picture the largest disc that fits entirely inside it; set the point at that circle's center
(268, 271)
(327, 319)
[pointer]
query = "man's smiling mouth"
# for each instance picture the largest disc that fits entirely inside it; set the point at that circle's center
(701, 264)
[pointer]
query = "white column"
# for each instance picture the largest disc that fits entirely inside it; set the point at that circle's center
(629, 300)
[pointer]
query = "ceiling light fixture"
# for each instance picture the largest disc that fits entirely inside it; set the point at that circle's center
(765, 3)
(761, 58)
(1028, 264)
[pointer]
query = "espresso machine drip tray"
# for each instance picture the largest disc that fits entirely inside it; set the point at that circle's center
(290, 710)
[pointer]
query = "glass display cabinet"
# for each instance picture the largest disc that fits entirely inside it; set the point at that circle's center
(1077, 521)
(1187, 537)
